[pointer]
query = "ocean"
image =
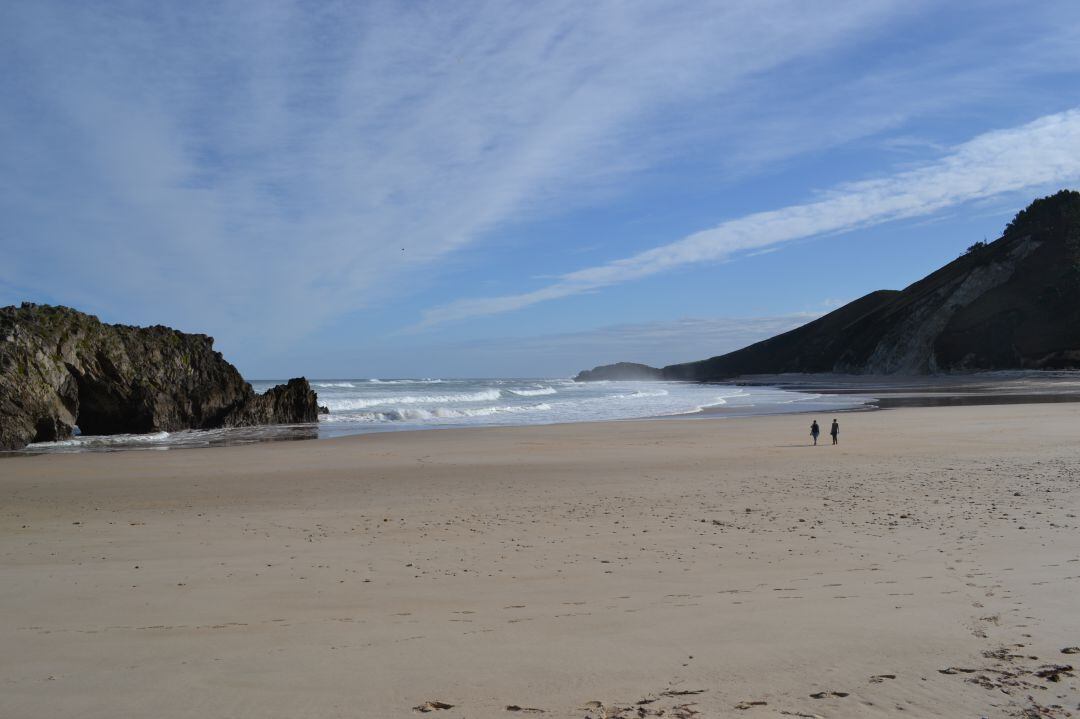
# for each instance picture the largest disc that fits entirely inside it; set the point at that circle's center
(360, 406)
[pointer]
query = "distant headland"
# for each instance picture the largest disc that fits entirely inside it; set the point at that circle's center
(1013, 303)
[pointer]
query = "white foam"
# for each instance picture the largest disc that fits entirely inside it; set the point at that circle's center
(804, 398)
(336, 405)
(334, 384)
(426, 380)
(406, 414)
(100, 440)
(533, 392)
(640, 394)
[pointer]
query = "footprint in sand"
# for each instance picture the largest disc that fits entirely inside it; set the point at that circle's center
(749, 704)
(431, 706)
(825, 695)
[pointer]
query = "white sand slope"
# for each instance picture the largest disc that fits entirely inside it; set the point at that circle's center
(691, 567)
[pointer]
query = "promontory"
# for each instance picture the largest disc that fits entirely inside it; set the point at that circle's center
(1013, 303)
(61, 369)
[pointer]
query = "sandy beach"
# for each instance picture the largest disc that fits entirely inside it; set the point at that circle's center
(928, 565)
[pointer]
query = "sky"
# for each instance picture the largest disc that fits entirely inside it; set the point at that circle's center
(484, 189)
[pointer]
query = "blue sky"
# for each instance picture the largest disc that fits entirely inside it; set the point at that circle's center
(513, 189)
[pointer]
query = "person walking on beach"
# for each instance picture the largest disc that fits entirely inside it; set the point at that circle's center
(814, 431)
(835, 431)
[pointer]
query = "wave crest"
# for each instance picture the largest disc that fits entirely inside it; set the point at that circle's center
(337, 405)
(534, 392)
(405, 414)
(426, 380)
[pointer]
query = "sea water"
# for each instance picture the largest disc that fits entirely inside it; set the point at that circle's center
(358, 406)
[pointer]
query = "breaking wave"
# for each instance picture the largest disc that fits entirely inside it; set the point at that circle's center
(486, 395)
(426, 380)
(404, 414)
(533, 392)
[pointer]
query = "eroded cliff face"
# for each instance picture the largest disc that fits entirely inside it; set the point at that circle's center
(908, 345)
(60, 368)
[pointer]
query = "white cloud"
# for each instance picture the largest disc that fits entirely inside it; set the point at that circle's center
(1042, 152)
(252, 169)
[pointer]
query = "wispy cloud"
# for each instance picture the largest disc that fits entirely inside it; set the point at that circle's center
(1034, 155)
(254, 168)
(258, 169)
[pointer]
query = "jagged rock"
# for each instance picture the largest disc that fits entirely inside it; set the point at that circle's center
(292, 403)
(60, 368)
(323, 409)
(1010, 304)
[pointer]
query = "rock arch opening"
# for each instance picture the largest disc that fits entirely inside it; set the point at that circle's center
(106, 406)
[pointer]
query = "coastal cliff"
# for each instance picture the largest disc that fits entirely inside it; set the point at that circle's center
(60, 368)
(1009, 304)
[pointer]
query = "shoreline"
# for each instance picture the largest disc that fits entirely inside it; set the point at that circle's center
(880, 392)
(233, 436)
(660, 561)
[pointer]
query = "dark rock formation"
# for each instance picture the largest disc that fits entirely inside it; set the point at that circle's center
(1010, 304)
(60, 368)
(619, 371)
(290, 403)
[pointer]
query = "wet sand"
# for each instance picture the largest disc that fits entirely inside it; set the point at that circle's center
(929, 565)
(941, 390)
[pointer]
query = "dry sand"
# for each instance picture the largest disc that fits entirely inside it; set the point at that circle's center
(669, 568)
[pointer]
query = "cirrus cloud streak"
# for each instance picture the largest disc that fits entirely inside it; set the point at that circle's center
(1041, 153)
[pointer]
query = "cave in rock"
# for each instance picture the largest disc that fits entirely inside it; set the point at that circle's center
(107, 407)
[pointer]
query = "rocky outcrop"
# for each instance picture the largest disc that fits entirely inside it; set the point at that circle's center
(619, 371)
(290, 403)
(60, 368)
(1010, 304)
